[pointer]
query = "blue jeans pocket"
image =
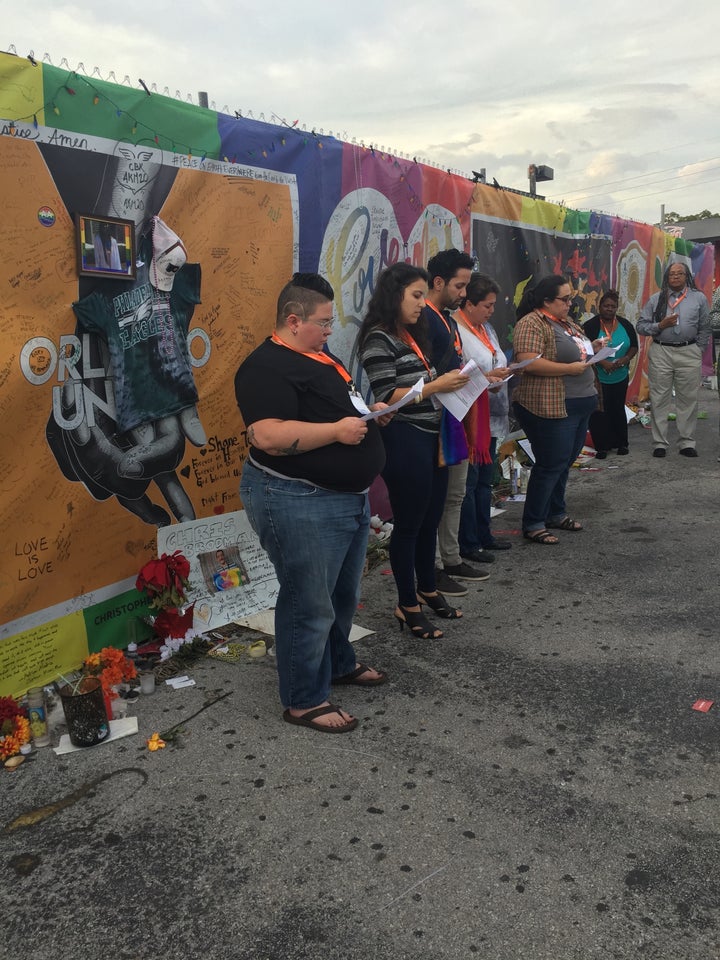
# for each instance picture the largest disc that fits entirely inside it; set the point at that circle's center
(294, 489)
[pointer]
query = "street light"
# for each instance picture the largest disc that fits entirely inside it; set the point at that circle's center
(536, 174)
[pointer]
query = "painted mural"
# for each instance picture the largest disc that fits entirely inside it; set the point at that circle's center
(86, 483)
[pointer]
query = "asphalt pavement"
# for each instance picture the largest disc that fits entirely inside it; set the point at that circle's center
(534, 785)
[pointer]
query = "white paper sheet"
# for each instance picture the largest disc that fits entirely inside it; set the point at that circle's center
(523, 363)
(414, 391)
(459, 402)
(602, 354)
(118, 729)
(265, 623)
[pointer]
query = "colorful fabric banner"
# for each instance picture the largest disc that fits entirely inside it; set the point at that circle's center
(82, 498)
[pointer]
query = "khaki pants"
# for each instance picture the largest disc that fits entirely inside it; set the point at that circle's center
(679, 368)
(450, 520)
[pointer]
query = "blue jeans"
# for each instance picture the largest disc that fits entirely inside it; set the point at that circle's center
(416, 488)
(475, 532)
(317, 542)
(556, 444)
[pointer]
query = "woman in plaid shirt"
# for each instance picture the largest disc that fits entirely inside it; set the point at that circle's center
(553, 402)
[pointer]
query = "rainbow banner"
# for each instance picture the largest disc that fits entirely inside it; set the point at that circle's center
(84, 490)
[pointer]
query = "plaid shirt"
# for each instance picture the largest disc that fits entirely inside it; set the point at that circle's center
(543, 396)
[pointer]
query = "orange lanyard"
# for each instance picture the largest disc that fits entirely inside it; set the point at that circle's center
(572, 331)
(609, 332)
(407, 339)
(674, 306)
(453, 333)
(319, 358)
(479, 332)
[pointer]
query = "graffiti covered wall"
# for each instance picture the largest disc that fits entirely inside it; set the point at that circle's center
(83, 488)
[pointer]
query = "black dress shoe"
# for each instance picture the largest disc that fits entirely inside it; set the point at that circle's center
(688, 452)
(600, 454)
(498, 545)
(659, 452)
(623, 451)
(478, 556)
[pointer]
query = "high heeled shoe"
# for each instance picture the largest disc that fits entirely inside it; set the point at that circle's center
(439, 605)
(419, 625)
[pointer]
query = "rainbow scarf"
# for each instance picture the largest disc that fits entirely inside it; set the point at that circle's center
(469, 440)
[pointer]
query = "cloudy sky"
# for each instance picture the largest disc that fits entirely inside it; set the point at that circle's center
(621, 98)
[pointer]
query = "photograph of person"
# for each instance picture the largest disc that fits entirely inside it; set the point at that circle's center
(223, 569)
(105, 246)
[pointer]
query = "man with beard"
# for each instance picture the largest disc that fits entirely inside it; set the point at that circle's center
(450, 272)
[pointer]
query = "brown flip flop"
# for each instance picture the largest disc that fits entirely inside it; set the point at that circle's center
(308, 720)
(355, 678)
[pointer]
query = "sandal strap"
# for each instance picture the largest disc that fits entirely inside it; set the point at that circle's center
(420, 625)
(439, 604)
(541, 536)
(321, 712)
(567, 523)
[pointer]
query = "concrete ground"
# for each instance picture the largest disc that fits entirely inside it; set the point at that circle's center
(534, 785)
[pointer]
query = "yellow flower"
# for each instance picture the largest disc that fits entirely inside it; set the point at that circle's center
(22, 730)
(155, 743)
(9, 746)
(20, 734)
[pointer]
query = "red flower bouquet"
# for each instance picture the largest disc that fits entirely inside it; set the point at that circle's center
(164, 580)
(14, 727)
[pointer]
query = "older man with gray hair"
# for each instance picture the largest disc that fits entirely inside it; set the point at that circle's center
(678, 320)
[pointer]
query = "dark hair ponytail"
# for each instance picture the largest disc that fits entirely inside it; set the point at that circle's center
(535, 296)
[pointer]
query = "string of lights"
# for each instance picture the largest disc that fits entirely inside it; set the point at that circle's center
(76, 84)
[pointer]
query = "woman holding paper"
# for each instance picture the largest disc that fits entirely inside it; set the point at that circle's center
(393, 352)
(553, 402)
(311, 460)
(480, 343)
(609, 425)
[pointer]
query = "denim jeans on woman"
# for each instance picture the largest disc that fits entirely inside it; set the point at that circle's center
(556, 444)
(416, 488)
(317, 542)
(475, 532)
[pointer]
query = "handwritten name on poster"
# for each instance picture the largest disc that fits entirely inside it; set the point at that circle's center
(231, 576)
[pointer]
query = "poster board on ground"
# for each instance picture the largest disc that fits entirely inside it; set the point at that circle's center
(231, 576)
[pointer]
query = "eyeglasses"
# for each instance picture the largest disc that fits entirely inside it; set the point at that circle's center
(564, 299)
(325, 324)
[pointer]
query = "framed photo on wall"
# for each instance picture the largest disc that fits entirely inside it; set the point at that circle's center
(105, 246)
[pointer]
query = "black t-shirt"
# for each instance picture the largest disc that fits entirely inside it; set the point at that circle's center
(277, 383)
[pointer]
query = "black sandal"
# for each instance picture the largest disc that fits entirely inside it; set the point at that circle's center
(439, 605)
(567, 523)
(419, 625)
(544, 537)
